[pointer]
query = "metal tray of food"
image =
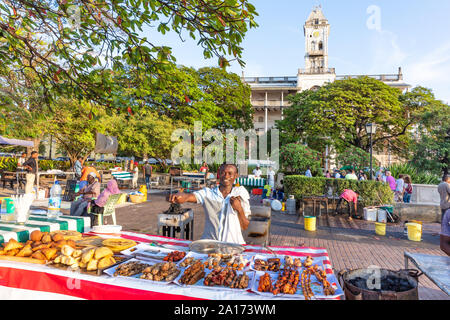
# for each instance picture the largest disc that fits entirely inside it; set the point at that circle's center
(207, 246)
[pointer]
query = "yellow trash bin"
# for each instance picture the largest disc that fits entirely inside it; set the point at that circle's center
(143, 190)
(380, 228)
(310, 223)
(414, 231)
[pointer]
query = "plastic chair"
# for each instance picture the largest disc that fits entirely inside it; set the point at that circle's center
(109, 209)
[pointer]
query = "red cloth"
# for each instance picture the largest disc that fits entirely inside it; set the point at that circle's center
(350, 195)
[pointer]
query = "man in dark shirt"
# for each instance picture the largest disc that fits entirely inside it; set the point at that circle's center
(31, 166)
(147, 173)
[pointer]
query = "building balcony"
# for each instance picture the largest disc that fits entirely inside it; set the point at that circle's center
(315, 53)
(317, 71)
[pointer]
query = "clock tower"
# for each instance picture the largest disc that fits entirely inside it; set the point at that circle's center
(316, 31)
(316, 72)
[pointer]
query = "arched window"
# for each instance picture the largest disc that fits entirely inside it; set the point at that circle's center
(261, 119)
(313, 46)
(320, 45)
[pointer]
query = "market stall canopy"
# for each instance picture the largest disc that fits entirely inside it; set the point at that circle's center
(16, 142)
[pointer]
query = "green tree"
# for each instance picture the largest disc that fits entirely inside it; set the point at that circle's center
(84, 38)
(338, 112)
(356, 158)
(144, 134)
(74, 125)
(296, 158)
(431, 150)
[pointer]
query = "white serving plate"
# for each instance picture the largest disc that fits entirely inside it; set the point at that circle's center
(107, 229)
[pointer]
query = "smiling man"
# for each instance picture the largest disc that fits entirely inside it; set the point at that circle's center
(226, 207)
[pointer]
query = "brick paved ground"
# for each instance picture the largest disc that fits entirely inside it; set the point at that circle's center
(350, 244)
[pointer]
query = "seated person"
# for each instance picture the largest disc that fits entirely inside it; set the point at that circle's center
(97, 205)
(92, 190)
(226, 207)
(85, 173)
(348, 196)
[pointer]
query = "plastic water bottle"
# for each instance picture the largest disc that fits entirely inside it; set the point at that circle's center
(54, 201)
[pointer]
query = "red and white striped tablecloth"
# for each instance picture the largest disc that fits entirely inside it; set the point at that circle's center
(29, 281)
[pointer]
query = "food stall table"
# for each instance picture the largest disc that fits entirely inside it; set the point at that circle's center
(122, 177)
(39, 221)
(251, 182)
(45, 282)
(436, 268)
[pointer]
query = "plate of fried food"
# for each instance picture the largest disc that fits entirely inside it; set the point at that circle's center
(304, 283)
(130, 268)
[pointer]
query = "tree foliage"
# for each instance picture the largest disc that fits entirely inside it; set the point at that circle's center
(337, 113)
(80, 47)
(297, 158)
(431, 152)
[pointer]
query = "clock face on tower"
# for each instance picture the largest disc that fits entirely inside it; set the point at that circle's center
(316, 34)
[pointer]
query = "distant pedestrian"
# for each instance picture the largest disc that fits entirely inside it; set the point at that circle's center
(148, 173)
(351, 176)
(257, 172)
(308, 173)
(408, 190)
(271, 177)
(445, 232)
(77, 167)
(31, 166)
(444, 193)
(337, 175)
(400, 184)
(328, 175)
(21, 161)
(391, 181)
(135, 175)
(348, 196)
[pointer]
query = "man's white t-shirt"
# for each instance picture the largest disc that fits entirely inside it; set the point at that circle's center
(221, 220)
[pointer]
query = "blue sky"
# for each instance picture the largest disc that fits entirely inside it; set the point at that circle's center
(413, 34)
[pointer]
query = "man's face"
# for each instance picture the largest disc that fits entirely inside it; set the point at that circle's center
(90, 179)
(35, 155)
(227, 175)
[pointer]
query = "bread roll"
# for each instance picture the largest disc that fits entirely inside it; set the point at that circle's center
(36, 235)
(67, 250)
(87, 255)
(58, 259)
(77, 253)
(61, 243)
(102, 252)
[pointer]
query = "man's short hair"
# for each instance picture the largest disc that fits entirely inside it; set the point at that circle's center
(33, 152)
(223, 166)
(445, 177)
(24, 153)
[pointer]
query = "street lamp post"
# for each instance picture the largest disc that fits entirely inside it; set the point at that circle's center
(371, 128)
